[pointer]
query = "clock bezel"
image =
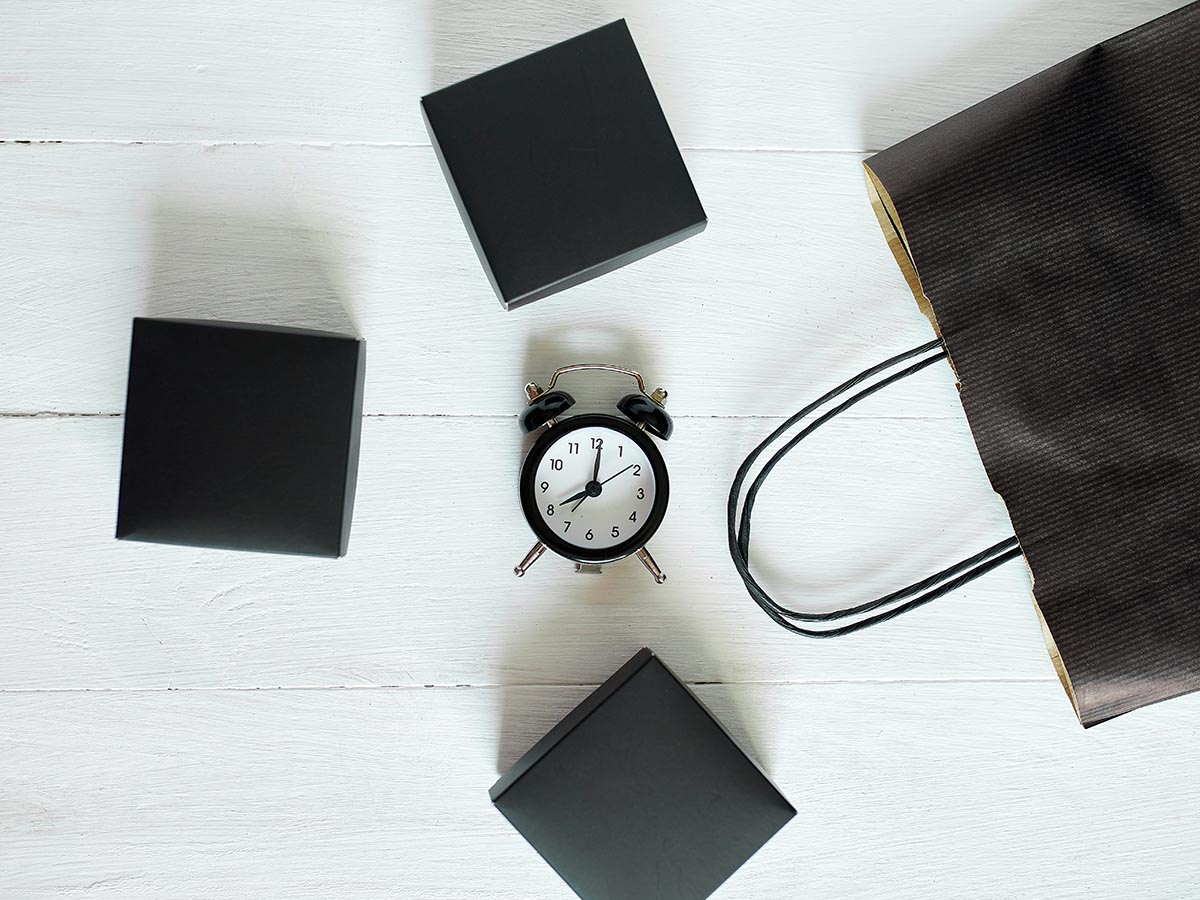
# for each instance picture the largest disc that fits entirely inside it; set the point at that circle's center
(573, 552)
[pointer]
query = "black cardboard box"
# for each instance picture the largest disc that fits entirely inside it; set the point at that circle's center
(562, 165)
(641, 793)
(241, 436)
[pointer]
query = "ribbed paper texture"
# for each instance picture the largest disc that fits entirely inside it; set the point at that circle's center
(1053, 235)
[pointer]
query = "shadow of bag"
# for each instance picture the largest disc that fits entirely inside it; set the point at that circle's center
(1051, 234)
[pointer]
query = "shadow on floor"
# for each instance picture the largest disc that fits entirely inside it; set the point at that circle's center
(587, 642)
(235, 265)
(981, 69)
(470, 37)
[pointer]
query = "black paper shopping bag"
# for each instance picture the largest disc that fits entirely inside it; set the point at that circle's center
(1052, 235)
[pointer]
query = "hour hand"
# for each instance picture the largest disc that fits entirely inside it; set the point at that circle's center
(574, 497)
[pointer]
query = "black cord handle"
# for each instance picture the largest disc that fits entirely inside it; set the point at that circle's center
(927, 589)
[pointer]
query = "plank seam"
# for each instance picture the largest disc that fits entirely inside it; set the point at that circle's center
(130, 142)
(1049, 679)
(49, 414)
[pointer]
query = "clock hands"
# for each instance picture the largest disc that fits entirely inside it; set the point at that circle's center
(593, 486)
(622, 472)
(574, 497)
(592, 490)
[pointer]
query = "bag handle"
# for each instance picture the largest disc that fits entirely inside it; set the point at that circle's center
(927, 589)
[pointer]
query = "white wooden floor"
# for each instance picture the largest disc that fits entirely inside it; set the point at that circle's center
(185, 723)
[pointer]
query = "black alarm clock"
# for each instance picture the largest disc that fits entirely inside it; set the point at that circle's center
(594, 487)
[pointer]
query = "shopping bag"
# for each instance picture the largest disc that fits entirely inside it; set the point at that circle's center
(1052, 236)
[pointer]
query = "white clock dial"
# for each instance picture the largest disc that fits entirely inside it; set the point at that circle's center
(591, 509)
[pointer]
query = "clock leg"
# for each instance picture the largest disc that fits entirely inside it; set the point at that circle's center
(651, 566)
(530, 558)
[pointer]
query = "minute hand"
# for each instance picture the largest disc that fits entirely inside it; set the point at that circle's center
(622, 472)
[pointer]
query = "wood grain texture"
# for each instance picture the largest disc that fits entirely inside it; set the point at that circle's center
(790, 290)
(427, 595)
(187, 723)
(781, 73)
(987, 791)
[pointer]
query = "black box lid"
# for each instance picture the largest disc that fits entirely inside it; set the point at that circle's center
(241, 436)
(562, 165)
(640, 792)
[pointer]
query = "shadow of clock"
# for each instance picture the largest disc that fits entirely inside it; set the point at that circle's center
(548, 349)
(571, 640)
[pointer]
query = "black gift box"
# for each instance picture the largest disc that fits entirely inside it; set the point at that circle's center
(562, 165)
(640, 792)
(241, 436)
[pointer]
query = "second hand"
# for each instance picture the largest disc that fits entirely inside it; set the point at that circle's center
(622, 472)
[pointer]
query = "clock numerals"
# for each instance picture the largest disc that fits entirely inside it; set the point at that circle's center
(596, 488)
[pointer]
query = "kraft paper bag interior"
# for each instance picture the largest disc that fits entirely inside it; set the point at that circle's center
(1052, 236)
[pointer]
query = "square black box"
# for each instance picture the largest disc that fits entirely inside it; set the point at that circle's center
(563, 165)
(241, 436)
(640, 792)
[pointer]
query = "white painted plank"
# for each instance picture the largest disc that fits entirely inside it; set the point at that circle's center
(985, 788)
(789, 291)
(920, 791)
(427, 595)
(773, 74)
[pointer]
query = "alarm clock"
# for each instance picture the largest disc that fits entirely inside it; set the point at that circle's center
(594, 487)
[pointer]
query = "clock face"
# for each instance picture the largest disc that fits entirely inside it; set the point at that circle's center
(594, 488)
